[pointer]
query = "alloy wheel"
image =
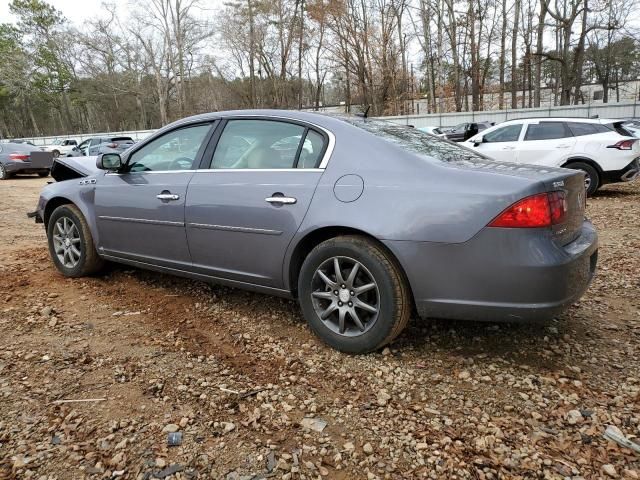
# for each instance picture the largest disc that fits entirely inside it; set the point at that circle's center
(3, 172)
(66, 242)
(345, 296)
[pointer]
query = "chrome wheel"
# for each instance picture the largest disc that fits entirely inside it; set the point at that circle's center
(587, 181)
(56, 154)
(67, 242)
(345, 296)
(3, 172)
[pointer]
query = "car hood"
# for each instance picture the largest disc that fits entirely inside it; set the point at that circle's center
(65, 168)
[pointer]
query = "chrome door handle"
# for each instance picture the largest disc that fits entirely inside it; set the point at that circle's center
(563, 146)
(168, 197)
(281, 200)
(508, 148)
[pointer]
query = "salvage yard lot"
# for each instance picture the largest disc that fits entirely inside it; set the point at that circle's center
(447, 400)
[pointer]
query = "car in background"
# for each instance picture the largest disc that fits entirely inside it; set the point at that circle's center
(632, 126)
(15, 158)
(465, 131)
(60, 147)
(16, 140)
(97, 145)
(603, 149)
(237, 198)
(437, 131)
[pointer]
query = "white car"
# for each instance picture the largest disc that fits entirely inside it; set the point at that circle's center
(603, 149)
(633, 126)
(437, 131)
(61, 147)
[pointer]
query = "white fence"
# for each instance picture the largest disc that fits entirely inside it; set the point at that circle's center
(607, 110)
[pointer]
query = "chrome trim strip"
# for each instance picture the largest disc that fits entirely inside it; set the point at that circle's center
(152, 172)
(223, 170)
(141, 220)
(229, 228)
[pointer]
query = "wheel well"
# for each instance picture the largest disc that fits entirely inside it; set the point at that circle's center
(52, 205)
(311, 240)
(584, 160)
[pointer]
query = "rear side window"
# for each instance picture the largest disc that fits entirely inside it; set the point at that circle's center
(579, 129)
(509, 133)
(547, 131)
(267, 144)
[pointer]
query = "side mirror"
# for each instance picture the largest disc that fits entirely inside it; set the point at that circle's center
(478, 141)
(109, 161)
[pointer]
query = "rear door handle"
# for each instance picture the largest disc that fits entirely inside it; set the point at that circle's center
(281, 200)
(508, 148)
(168, 197)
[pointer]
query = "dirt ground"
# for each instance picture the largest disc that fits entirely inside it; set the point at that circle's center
(242, 379)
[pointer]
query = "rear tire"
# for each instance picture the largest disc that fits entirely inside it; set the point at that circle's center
(592, 180)
(43, 174)
(370, 308)
(71, 243)
(56, 154)
(4, 175)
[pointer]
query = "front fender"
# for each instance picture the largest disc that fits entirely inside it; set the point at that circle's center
(78, 191)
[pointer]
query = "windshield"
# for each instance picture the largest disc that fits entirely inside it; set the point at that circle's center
(414, 141)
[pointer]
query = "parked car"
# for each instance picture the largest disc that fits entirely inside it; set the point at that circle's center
(632, 126)
(437, 131)
(16, 158)
(15, 140)
(602, 149)
(465, 131)
(373, 220)
(59, 147)
(97, 145)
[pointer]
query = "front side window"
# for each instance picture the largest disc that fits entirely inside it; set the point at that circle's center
(509, 133)
(267, 144)
(175, 150)
(547, 131)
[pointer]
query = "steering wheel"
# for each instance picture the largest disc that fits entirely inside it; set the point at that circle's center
(181, 163)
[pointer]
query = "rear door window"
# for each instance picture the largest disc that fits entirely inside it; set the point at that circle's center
(547, 131)
(508, 133)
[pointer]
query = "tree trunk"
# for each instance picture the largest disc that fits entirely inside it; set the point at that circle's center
(539, 49)
(514, 57)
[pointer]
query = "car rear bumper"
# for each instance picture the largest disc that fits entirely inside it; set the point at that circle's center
(627, 174)
(22, 167)
(499, 275)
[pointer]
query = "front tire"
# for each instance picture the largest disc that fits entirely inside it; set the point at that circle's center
(592, 179)
(71, 243)
(353, 294)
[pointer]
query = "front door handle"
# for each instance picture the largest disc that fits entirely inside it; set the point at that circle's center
(563, 146)
(508, 148)
(168, 197)
(281, 200)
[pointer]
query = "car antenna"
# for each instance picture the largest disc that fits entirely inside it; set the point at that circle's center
(364, 114)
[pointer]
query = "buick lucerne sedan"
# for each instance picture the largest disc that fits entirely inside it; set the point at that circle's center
(362, 221)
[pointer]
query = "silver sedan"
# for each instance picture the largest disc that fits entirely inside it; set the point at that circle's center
(361, 220)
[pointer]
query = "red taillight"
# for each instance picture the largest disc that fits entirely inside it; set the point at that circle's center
(541, 210)
(624, 144)
(19, 157)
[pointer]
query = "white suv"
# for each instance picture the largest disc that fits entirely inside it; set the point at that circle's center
(61, 147)
(603, 149)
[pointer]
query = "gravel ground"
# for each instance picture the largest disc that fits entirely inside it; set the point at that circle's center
(255, 395)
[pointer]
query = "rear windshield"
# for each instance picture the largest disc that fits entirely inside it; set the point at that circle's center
(414, 141)
(121, 139)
